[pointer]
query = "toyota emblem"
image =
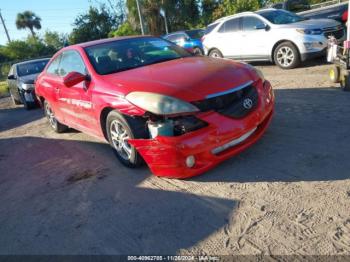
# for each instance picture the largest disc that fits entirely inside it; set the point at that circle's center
(247, 103)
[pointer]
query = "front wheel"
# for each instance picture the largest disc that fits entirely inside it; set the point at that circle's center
(54, 123)
(119, 130)
(27, 104)
(286, 56)
(215, 53)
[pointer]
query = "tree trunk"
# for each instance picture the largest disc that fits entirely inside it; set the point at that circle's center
(32, 31)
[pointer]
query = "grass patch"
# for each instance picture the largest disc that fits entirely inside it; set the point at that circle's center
(4, 90)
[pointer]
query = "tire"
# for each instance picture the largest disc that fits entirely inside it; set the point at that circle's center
(334, 74)
(27, 105)
(54, 123)
(345, 83)
(215, 53)
(286, 56)
(119, 129)
(197, 51)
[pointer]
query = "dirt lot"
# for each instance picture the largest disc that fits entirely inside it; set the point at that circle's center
(288, 194)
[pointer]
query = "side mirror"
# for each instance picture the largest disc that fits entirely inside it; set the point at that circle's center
(73, 78)
(261, 26)
(11, 77)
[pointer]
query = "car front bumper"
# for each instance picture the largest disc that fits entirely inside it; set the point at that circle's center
(167, 156)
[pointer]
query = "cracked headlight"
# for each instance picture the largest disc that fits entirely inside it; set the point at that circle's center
(27, 86)
(160, 104)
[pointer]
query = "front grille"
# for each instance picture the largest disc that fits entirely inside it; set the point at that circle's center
(232, 104)
(338, 34)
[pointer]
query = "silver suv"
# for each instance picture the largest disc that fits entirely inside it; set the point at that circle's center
(272, 35)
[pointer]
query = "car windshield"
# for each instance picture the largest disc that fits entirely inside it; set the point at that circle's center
(195, 34)
(121, 55)
(31, 68)
(280, 17)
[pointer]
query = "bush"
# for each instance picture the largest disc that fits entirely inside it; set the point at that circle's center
(123, 30)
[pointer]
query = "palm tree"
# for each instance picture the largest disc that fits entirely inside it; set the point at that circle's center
(29, 20)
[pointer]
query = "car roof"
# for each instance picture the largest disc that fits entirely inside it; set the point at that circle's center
(231, 16)
(108, 40)
(32, 61)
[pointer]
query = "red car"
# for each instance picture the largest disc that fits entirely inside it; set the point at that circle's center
(154, 101)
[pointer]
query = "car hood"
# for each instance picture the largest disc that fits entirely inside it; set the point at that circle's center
(313, 24)
(28, 79)
(189, 79)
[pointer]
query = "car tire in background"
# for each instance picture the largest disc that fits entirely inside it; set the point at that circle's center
(197, 51)
(54, 123)
(286, 55)
(334, 74)
(27, 105)
(121, 128)
(215, 53)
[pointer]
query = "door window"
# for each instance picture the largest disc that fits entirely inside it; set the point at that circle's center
(250, 23)
(53, 67)
(230, 26)
(71, 62)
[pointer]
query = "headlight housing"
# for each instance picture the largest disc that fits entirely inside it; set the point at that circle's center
(27, 86)
(160, 104)
(310, 31)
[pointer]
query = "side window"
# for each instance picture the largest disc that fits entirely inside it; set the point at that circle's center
(71, 62)
(230, 26)
(53, 67)
(250, 22)
(171, 38)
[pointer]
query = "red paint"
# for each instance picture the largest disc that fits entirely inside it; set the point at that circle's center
(191, 79)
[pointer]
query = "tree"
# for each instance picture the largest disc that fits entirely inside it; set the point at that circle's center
(230, 7)
(124, 30)
(54, 39)
(29, 20)
(95, 24)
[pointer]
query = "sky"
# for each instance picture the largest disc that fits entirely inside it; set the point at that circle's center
(56, 15)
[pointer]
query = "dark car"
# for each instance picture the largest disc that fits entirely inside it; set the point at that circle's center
(188, 39)
(21, 81)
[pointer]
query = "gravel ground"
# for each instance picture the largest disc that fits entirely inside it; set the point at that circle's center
(288, 194)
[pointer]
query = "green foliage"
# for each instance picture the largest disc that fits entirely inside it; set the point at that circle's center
(124, 30)
(54, 40)
(3, 89)
(29, 20)
(230, 7)
(95, 24)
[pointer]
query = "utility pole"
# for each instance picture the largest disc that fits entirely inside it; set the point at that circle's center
(3, 23)
(140, 17)
(163, 14)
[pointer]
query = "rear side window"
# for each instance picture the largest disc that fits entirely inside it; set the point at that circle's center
(53, 67)
(230, 26)
(210, 28)
(71, 61)
(250, 22)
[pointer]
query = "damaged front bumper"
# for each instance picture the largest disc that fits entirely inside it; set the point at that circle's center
(196, 152)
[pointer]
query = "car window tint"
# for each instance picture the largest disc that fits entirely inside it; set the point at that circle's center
(53, 67)
(210, 28)
(250, 22)
(71, 62)
(230, 26)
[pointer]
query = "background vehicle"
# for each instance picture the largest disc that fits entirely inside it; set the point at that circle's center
(189, 39)
(21, 81)
(272, 35)
(135, 92)
(330, 9)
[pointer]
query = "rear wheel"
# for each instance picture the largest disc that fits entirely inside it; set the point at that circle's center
(121, 128)
(15, 101)
(54, 123)
(197, 51)
(215, 53)
(286, 56)
(334, 74)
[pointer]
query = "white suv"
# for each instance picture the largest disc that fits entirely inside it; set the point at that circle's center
(272, 35)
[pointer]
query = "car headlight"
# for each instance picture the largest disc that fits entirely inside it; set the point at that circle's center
(310, 31)
(27, 86)
(160, 104)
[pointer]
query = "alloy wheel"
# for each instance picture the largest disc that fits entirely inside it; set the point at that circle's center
(120, 136)
(285, 56)
(50, 116)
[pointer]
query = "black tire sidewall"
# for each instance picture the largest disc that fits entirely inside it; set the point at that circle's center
(135, 159)
(58, 127)
(215, 51)
(295, 50)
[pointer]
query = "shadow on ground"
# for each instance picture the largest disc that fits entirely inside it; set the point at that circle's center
(73, 197)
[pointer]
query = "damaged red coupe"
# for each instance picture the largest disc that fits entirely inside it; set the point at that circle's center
(155, 102)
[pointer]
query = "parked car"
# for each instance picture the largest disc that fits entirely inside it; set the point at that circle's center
(272, 35)
(189, 39)
(329, 9)
(136, 93)
(21, 81)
